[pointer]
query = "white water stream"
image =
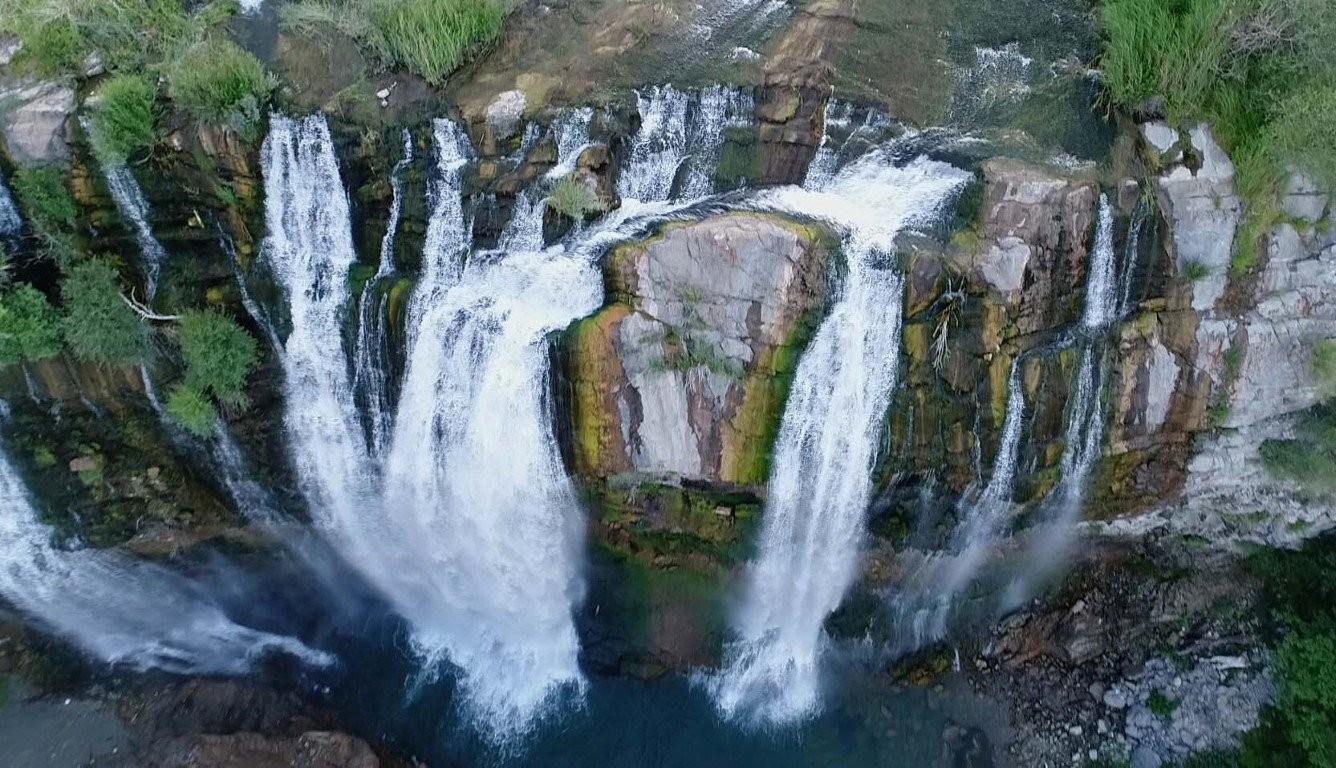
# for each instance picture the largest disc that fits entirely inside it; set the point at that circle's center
(820, 483)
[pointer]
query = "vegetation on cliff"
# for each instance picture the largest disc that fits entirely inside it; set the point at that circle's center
(430, 38)
(221, 85)
(123, 118)
(29, 327)
(99, 327)
(1260, 71)
(219, 357)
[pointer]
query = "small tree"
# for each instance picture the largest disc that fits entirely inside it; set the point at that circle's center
(98, 325)
(29, 326)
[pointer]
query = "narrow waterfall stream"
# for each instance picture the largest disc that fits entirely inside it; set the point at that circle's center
(371, 367)
(130, 202)
(820, 482)
(119, 609)
(10, 222)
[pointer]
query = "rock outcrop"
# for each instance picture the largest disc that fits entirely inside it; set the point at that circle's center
(685, 373)
(33, 118)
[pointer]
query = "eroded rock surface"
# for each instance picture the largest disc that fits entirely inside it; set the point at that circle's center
(685, 374)
(34, 117)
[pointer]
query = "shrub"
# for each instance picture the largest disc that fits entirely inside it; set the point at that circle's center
(29, 326)
(42, 193)
(219, 355)
(192, 410)
(219, 84)
(1323, 362)
(571, 198)
(123, 120)
(1195, 270)
(430, 38)
(96, 323)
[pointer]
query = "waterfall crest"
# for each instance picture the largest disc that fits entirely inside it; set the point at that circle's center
(120, 609)
(679, 128)
(820, 482)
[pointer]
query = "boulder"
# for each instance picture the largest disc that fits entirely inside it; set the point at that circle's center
(685, 373)
(33, 116)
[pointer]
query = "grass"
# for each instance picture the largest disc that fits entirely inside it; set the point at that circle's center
(430, 38)
(1322, 361)
(123, 118)
(219, 84)
(129, 35)
(574, 200)
(1195, 270)
(1260, 71)
(1310, 458)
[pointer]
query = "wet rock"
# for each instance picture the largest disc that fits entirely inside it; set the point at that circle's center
(1035, 233)
(505, 113)
(683, 374)
(313, 749)
(9, 48)
(34, 118)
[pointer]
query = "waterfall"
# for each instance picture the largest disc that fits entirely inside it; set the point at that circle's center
(474, 532)
(1101, 295)
(820, 482)
(719, 107)
(308, 246)
(120, 609)
(659, 147)
(447, 238)
(1132, 254)
(372, 357)
(937, 582)
(572, 136)
(10, 222)
(524, 231)
(133, 208)
(248, 301)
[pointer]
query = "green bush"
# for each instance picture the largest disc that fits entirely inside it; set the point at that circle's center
(1299, 591)
(192, 410)
(573, 199)
(430, 38)
(97, 324)
(219, 355)
(123, 120)
(29, 326)
(42, 193)
(1322, 360)
(220, 84)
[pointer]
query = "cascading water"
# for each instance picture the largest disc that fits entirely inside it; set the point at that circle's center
(447, 239)
(524, 231)
(938, 581)
(1102, 293)
(572, 136)
(719, 108)
(659, 147)
(371, 360)
(820, 482)
(1131, 254)
(130, 202)
(1085, 412)
(10, 223)
(117, 608)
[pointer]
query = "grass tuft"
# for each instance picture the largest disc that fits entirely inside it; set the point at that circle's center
(430, 38)
(574, 200)
(219, 84)
(191, 409)
(123, 120)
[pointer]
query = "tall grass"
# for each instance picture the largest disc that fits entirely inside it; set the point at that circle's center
(129, 34)
(123, 118)
(220, 84)
(430, 38)
(1262, 72)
